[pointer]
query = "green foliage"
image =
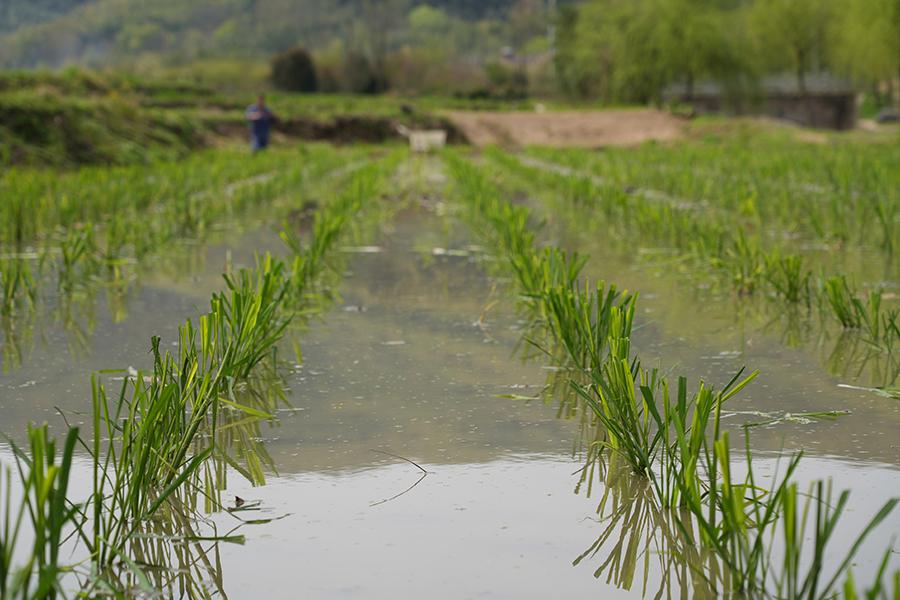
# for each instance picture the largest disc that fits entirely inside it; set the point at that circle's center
(616, 51)
(293, 71)
(170, 31)
(630, 51)
(868, 35)
(506, 82)
(42, 516)
(77, 119)
(792, 35)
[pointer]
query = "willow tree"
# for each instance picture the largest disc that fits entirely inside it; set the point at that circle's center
(868, 42)
(793, 35)
(700, 41)
(630, 50)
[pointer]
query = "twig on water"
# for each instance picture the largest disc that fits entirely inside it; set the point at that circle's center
(418, 466)
(407, 490)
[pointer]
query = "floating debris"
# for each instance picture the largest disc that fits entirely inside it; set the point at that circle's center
(885, 392)
(361, 249)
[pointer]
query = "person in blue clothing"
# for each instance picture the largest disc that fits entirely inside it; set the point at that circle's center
(260, 118)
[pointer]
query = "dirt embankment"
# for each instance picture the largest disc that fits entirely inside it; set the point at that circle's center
(344, 129)
(588, 129)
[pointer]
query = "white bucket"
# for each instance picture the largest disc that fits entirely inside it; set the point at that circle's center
(424, 140)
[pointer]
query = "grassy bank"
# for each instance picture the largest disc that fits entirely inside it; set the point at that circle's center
(74, 118)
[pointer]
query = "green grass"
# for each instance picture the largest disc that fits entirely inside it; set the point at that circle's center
(42, 514)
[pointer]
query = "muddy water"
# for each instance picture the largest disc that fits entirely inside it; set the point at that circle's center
(688, 327)
(404, 368)
(112, 331)
(411, 362)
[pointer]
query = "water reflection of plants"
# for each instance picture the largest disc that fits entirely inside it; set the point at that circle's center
(717, 244)
(640, 540)
(864, 321)
(156, 449)
(92, 228)
(671, 438)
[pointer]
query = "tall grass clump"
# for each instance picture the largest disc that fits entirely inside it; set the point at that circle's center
(775, 539)
(143, 447)
(36, 507)
(18, 285)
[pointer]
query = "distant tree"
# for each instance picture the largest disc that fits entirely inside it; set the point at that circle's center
(294, 71)
(526, 19)
(699, 41)
(569, 78)
(868, 42)
(506, 81)
(361, 76)
(620, 51)
(793, 35)
(378, 24)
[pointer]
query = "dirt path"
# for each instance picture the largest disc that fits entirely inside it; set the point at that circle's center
(570, 128)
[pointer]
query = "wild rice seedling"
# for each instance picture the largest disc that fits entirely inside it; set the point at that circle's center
(78, 246)
(788, 277)
(42, 509)
(745, 263)
(583, 322)
(735, 518)
(539, 272)
(743, 523)
(661, 437)
(508, 226)
(143, 448)
(852, 313)
(891, 326)
(309, 255)
(798, 579)
(17, 285)
(842, 302)
(613, 399)
(638, 533)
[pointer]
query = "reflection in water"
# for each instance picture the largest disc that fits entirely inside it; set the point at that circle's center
(853, 358)
(494, 509)
(239, 444)
(177, 555)
(16, 334)
(639, 538)
(686, 302)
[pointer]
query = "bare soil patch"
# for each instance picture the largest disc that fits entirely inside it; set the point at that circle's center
(588, 129)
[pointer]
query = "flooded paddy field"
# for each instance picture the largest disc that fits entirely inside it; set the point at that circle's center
(453, 410)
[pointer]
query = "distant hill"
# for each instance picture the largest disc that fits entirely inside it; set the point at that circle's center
(15, 14)
(54, 33)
